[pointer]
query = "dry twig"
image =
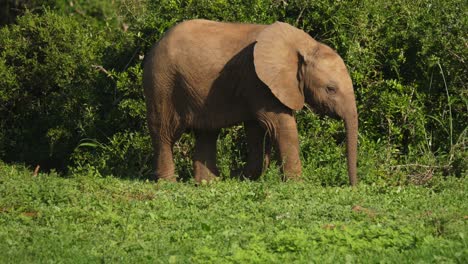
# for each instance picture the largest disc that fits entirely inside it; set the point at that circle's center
(36, 171)
(102, 69)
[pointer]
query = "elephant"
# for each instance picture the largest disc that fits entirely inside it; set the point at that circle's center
(204, 75)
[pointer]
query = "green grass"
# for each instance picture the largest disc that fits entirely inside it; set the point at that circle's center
(83, 219)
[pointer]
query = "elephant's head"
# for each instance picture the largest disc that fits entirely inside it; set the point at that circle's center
(299, 70)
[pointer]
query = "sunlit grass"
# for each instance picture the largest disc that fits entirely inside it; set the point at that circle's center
(89, 219)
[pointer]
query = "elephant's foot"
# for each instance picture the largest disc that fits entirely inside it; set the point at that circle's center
(292, 173)
(252, 173)
(206, 178)
(240, 174)
(169, 177)
(294, 177)
(204, 174)
(291, 169)
(246, 173)
(204, 158)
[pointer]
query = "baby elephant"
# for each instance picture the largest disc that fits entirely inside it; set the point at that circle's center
(205, 75)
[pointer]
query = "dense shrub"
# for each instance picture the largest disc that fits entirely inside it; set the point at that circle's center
(56, 90)
(48, 97)
(70, 85)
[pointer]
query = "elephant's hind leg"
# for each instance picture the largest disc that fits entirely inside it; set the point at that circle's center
(165, 168)
(204, 159)
(259, 150)
(163, 143)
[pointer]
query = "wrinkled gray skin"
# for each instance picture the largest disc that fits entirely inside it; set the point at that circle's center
(204, 75)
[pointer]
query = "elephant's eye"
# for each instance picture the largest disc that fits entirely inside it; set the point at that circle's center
(331, 89)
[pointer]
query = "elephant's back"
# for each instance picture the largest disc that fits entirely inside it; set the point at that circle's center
(212, 34)
(198, 48)
(202, 41)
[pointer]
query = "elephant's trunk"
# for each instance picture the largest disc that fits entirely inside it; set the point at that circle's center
(351, 124)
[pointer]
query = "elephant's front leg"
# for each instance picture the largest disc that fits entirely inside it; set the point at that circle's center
(283, 129)
(204, 159)
(259, 150)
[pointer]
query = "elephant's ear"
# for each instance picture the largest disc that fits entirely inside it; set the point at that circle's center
(278, 53)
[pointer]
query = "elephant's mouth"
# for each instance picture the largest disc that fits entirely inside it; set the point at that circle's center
(322, 111)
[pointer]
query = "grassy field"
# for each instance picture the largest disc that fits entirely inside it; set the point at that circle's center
(81, 219)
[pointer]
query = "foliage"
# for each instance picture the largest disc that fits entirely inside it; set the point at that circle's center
(12, 9)
(56, 89)
(50, 83)
(71, 97)
(93, 219)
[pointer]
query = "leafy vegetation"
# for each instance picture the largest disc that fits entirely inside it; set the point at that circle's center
(93, 219)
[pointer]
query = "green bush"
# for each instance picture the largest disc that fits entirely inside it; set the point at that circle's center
(66, 78)
(71, 96)
(48, 96)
